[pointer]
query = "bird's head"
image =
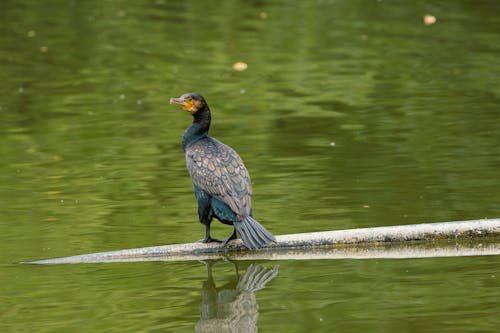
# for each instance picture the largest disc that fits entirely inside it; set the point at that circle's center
(191, 102)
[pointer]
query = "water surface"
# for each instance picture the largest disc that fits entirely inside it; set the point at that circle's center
(350, 114)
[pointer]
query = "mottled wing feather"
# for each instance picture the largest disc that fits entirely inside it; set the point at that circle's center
(218, 170)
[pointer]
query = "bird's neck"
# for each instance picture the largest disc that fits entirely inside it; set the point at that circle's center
(198, 129)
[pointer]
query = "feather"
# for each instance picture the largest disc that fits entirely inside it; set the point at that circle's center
(218, 170)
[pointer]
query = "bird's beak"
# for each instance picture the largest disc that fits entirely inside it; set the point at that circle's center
(186, 105)
(179, 101)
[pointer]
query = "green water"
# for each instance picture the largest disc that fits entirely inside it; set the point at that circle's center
(350, 114)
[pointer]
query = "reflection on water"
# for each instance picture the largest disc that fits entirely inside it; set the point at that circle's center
(233, 307)
(349, 114)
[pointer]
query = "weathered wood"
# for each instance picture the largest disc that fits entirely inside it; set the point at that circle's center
(446, 239)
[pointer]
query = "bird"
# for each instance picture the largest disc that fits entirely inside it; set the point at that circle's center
(221, 181)
(233, 306)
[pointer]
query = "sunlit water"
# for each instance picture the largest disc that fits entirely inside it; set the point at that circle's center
(350, 114)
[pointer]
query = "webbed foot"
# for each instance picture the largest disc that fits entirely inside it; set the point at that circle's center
(225, 241)
(209, 240)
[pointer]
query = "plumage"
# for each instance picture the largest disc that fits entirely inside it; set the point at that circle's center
(216, 169)
(220, 179)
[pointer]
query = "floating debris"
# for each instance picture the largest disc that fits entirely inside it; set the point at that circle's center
(429, 19)
(240, 66)
(263, 15)
(427, 240)
(332, 144)
(31, 33)
(44, 49)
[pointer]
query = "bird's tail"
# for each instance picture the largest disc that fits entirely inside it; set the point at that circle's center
(256, 277)
(253, 234)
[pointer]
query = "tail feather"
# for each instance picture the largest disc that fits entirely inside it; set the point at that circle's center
(256, 277)
(253, 234)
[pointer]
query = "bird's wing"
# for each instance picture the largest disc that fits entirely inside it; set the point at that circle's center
(218, 170)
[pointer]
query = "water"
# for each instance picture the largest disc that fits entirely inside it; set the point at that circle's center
(431, 295)
(350, 114)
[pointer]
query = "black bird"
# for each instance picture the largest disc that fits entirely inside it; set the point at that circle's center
(233, 307)
(221, 181)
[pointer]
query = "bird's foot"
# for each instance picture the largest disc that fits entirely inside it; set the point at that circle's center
(210, 240)
(229, 242)
(225, 241)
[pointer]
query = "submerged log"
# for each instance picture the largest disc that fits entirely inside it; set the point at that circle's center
(404, 241)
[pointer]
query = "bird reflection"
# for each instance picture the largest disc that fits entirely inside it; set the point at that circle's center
(233, 307)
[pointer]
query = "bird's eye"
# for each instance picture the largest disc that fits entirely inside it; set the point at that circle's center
(189, 99)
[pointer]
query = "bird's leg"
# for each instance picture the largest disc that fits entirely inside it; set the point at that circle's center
(205, 214)
(230, 238)
(208, 238)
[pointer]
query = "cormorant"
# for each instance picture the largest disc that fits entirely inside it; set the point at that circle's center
(221, 181)
(233, 307)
